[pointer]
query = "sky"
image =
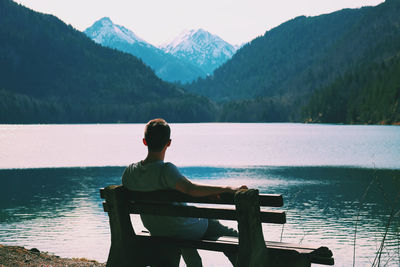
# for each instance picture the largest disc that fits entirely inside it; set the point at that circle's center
(160, 21)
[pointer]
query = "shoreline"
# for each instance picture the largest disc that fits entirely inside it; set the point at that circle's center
(17, 256)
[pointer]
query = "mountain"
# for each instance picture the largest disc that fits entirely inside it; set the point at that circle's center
(267, 65)
(167, 67)
(342, 67)
(290, 73)
(201, 48)
(104, 31)
(52, 73)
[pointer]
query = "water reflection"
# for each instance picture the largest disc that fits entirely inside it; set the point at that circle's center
(32, 193)
(56, 210)
(59, 210)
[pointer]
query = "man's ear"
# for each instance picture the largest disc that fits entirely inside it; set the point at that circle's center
(169, 143)
(144, 142)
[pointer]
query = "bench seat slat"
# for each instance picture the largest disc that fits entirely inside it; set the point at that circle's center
(278, 217)
(274, 243)
(266, 200)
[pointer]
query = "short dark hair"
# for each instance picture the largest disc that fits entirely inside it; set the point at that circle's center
(157, 134)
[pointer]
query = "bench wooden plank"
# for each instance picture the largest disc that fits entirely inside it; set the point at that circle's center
(278, 217)
(268, 243)
(266, 200)
(235, 241)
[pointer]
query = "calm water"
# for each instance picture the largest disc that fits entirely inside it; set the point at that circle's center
(325, 172)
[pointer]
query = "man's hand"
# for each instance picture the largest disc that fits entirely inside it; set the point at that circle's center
(235, 189)
(241, 188)
(232, 191)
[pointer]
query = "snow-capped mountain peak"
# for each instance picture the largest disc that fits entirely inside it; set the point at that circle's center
(104, 29)
(186, 37)
(166, 66)
(202, 48)
(193, 54)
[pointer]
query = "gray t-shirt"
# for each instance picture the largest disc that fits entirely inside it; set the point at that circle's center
(162, 176)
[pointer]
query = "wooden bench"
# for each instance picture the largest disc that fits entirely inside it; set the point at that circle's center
(130, 248)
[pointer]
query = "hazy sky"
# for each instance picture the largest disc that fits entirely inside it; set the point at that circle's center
(159, 21)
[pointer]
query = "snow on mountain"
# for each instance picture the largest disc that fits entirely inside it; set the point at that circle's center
(166, 66)
(202, 48)
(105, 31)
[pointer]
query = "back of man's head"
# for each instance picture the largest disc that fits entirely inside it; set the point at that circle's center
(157, 134)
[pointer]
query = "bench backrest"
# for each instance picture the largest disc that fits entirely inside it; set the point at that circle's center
(159, 203)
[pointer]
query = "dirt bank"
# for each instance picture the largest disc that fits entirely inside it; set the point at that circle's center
(21, 257)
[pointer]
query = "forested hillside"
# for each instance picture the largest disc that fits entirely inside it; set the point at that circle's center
(368, 94)
(369, 91)
(50, 72)
(292, 72)
(268, 64)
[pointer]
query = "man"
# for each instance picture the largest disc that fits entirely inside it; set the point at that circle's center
(153, 173)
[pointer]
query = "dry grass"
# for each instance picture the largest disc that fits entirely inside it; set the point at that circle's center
(393, 205)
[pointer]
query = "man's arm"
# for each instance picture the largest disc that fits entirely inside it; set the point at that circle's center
(199, 190)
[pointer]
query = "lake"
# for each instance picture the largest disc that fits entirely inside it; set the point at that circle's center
(340, 183)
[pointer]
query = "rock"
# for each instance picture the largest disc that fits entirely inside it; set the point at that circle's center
(35, 251)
